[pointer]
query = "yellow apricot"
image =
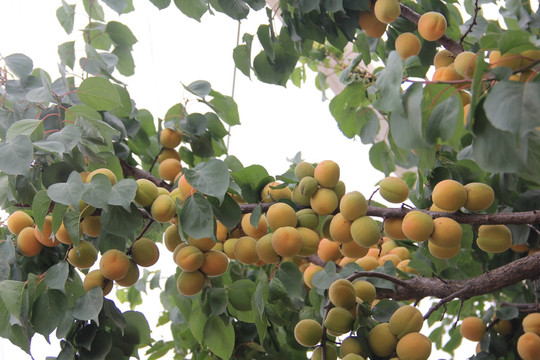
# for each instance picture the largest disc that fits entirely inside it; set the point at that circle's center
(389, 257)
(381, 340)
(392, 228)
(327, 173)
(365, 231)
(310, 241)
(494, 238)
(215, 263)
(449, 195)
(406, 319)
(310, 270)
(280, 214)
(479, 196)
(221, 232)
(339, 189)
(386, 11)
(443, 252)
(472, 328)
(365, 290)
(393, 189)
(104, 171)
(45, 236)
(146, 192)
(511, 60)
(324, 201)
(286, 241)
(340, 229)
(339, 321)
(144, 252)
(414, 346)
(245, 250)
(353, 205)
(531, 323)
(528, 57)
(18, 221)
(131, 277)
(401, 251)
(63, 236)
(446, 73)
(407, 44)
(27, 243)
(465, 97)
(228, 248)
(308, 332)
(170, 138)
(91, 225)
(167, 153)
(370, 25)
(417, 226)
(84, 256)
(342, 293)
(331, 353)
(328, 250)
(353, 250)
(351, 345)
(528, 346)
(190, 283)
(171, 237)
(303, 169)
(447, 233)
(431, 26)
(114, 264)
(96, 278)
(368, 263)
(465, 64)
(185, 188)
(404, 266)
(255, 232)
(163, 208)
(204, 244)
(275, 191)
(265, 251)
(443, 58)
(169, 168)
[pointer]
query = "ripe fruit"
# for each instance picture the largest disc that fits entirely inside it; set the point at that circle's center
(311, 270)
(511, 60)
(45, 236)
(171, 238)
(331, 353)
(279, 215)
(414, 346)
(443, 58)
(167, 153)
(185, 187)
(351, 345)
(146, 192)
(407, 45)
(365, 231)
(310, 241)
(494, 238)
(368, 263)
(531, 323)
(394, 189)
(342, 293)
(353, 205)
(340, 229)
(114, 264)
(189, 258)
(465, 63)
(449, 195)
(18, 221)
(407, 319)
(327, 173)
(275, 191)
(144, 252)
(442, 252)
(392, 228)
(286, 241)
(27, 243)
(91, 225)
(190, 283)
(84, 256)
(381, 340)
(446, 73)
(432, 26)
(170, 138)
(365, 290)
(245, 250)
(339, 321)
(96, 278)
(131, 277)
(303, 169)
(308, 332)
(447, 233)
(386, 11)
(103, 171)
(328, 250)
(370, 25)
(472, 328)
(266, 251)
(353, 250)
(163, 208)
(324, 201)
(479, 196)
(528, 346)
(169, 168)
(250, 230)
(417, 226)
(215, 263)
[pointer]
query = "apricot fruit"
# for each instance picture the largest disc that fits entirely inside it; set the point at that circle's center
(351, 345)
(407, 44)
(339, 321)
(528, 346)
(531, 323)
(167, 153)
(215, 263)
(171, 237)
(265, 251)
(353, 250)
(465, 64)
(45, 236)
(310, 241)
(131, 277)
(389, 257)
(308, 332)
(494, 238)
(260, 230)
(404, 266)
(368, 263)
(144, 252)
(449, 195)
(27, 243)
(245, 250)
(365, 290)
(417, 226)
(339, 189)
(189, 258)
(386, 11)
(327, 173)
(393, 189)
(528, 57)
(18, 221)
(340, 229)
(163, 208)
(472, 328)
(342, 293)
(63, 236)
(307, 218)
(286, 241)
(365, 231)
(479, 196)
(303, 169)
(324, 201)
(114, 264)
(432, 26)
(280, 214)
(84, 256)
(328, 250)
(413, 346)
(309, 271)
(370, 25)
(447, 73)
(146, 192)
(185, 188)
(511, 60)
(353, 205)
(190, 283)
(91, 226)
(96, 278)
(406, 319)
(170, 138)
(275, 191)
(381, 340)
(104, 171)
(228, 248)
(447, 233)
(443, 252)
(392, 228)
(331, 353)
(169, 168)
(443, 58)
(298, 198)
(308, 186)
(503, 327)
(401, 251)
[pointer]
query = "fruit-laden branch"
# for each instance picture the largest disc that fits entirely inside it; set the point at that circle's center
(445, 41)
(130, 170)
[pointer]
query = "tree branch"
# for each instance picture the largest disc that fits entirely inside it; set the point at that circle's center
(130, 170)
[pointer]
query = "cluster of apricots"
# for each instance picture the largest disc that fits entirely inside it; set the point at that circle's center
(400, 335)
(528, 345)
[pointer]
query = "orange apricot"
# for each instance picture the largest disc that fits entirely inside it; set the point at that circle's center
(479, 196)
(83, 256)
(447, 233)
(327, 173)
(27, 243)
(472, 328)
(310, 241)
(96, 278)
(443, 58)
(275, 191)
(432, 26)
(266, 251)
(215, 263)
(190, 283)
(131, 277)
(417, 226)
(286, 241)
(386, 11)
(324, 201)
(328, 250)
(170, 138)
(169, 168)
(245, 250)
(407, 44)
(18, 221)
(258, 231)
(370, 25)
(528, 346)
(340, 229)
(280, 214)
(392, 228)
(114, 264)
(144, 252)
(449, 195)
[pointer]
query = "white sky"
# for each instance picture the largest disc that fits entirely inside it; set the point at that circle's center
(277, 122)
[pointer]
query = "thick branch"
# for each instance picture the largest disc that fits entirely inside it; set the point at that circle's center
(130, 170)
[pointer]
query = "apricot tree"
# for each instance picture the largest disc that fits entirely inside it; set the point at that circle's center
(281, 266)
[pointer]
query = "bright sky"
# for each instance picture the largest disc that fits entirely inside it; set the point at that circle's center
(277, 122)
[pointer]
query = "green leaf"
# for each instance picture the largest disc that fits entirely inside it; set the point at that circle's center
(12, 294)
(197, 322)
(66, 16)
(211, 178)
(219, 336)
(195, 9)
(19, 64)
(290, 277)
(258, 301)
(507, 313)
(68, 193)
(442, 121)
(120, 34)
(389, 85)
(242, 59)
(16, 156)
(56, 276)
(197, 218)
(47, 311)
(408, 123)
(228, 212)
(119, 221)
(98, 93)
(126, 64)
(97, 192)
(225, 107)
(308, 5)
(94, 9)
(384, 310)
(50, 146)
(343, 108)
(70, 136)
(15, 333)
(88, 306)
(138, 320)
(215, 126)
(71, 220)
(194, 124)
(513, 106)
(117, 5)
(249, 179)
(236, 9)
(27, 127)
(382, 158)
(40, 207)
(201, 88)
(123, 193)
(161, 4)
(218, 300)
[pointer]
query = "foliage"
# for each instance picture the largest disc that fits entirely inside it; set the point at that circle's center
(55, 134)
